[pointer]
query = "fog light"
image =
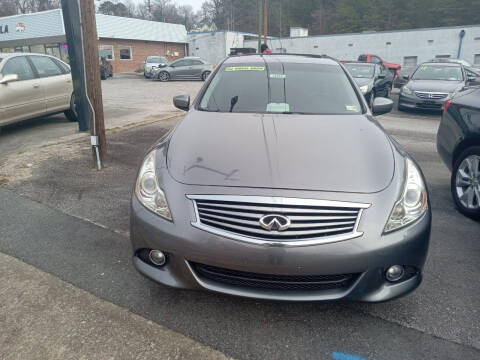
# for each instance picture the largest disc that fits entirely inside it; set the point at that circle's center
(157, 257)
(394, 273)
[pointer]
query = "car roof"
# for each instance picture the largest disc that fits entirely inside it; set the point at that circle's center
(284, 58)
(360, 63)
(441, 63)
(13, 54)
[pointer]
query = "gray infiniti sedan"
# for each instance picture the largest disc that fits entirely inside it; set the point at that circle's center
(280, 184)
(187, 68)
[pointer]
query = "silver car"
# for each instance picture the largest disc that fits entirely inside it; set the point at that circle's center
(187, 68)
(280, 184)
(152, 63)
(34, 85)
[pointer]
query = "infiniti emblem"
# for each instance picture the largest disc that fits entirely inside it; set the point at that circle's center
(273, 222)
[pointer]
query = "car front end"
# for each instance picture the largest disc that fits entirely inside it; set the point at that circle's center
(279, 219)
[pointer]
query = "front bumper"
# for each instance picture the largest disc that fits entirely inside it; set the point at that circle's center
(367, 256)
(415, 103)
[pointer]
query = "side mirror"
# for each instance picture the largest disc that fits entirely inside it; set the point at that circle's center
(405, 77)
(182, 102)
(8, 78)
(471, 78)
(382, 106)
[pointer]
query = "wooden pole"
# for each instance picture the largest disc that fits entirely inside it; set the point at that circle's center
(94, 87)
(265, 22)
(260, 7)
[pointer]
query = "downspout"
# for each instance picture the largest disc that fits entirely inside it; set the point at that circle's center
(461, 35)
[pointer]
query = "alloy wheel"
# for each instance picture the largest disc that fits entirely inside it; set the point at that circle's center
(467, 182)
(205, 75)
(163, 76)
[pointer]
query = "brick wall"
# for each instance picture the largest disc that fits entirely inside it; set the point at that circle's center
(140, 51)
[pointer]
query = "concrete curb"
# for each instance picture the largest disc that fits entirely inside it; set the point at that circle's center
(44, 317)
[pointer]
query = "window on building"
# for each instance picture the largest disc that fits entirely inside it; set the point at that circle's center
(38, 49)
(125, 52)
(20, 66)
(53, 49)
(476, 59)
(45, 66)
(442, 56)
(410, 61)
(106, 51)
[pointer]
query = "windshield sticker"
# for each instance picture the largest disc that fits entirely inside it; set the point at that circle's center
(351, 108)
(245, 68)
(278, 76)
(278, 107)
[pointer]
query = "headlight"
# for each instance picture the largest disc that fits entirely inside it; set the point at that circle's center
(364, 89)
(412, 203)
(147, 190)
(406, 90)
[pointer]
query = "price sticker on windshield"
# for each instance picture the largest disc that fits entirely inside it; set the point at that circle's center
(245, 68)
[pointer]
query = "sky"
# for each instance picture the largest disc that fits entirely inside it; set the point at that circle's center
(196, 4)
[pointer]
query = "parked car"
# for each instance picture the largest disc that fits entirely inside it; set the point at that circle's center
(187, 68)
(394, 68)
(458, 143)
(279, 184)
(106, 69)
(372, 79)
(470, 70)
(242, 51)
(34, 85)
(152, 63)
(431, 85)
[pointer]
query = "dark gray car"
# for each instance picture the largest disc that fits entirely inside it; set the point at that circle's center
(431, 85)
(280, 184)
(187, 68)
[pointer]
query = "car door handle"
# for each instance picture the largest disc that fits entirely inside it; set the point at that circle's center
(69, 80)
(36, 86)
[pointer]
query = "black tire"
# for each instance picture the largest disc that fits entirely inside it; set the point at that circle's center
(473, 213)
(103, 76)
(371, 99)
(388, 94)
(205, 75)
(163, 76)
(401, 108)
(71, 114)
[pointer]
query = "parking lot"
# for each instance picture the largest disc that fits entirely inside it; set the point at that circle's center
(77, 230)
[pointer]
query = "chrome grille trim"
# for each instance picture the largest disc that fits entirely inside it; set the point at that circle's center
(431, 95)
(313, 221)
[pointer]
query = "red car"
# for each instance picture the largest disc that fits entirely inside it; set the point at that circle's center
(377, 59)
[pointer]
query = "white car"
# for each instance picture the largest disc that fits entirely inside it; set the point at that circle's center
(34, 85)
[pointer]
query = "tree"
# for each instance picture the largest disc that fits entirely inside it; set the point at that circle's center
(115, 9)
(8, 8)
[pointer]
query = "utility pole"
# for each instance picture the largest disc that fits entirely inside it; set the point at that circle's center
(92, 75)
(265, 22)
(260, 17)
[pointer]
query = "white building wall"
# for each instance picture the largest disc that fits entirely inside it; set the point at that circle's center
(214, 46)
(391, 46)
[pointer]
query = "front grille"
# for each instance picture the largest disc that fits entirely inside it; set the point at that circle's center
(431, 95)
(273, 282)
(310, 219)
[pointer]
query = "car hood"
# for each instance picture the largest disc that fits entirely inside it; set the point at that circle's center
(363, 81)
(434, 85)
(325, 153)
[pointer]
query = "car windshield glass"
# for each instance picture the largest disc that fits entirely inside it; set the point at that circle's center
(438, 72)
(361, 71)
(281, 88)
(156, 60)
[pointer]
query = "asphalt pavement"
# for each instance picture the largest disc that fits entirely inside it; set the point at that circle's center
(72, 222)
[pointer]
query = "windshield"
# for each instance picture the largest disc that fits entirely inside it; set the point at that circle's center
(438, 72)
(156, 60)
(361, 71)
(281, 88)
